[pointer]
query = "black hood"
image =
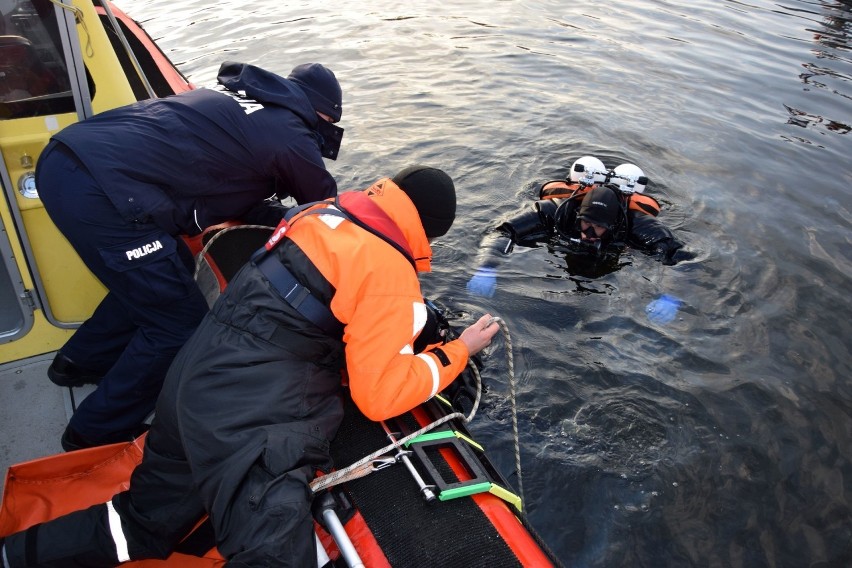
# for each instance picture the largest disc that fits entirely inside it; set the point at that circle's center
(601, 207)
(267, 88)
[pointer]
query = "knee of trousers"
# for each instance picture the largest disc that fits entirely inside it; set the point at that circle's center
(96, 536)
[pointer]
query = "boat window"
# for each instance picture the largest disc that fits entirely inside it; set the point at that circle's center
(33, 75)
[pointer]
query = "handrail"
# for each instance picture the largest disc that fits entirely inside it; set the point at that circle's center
(128, 49)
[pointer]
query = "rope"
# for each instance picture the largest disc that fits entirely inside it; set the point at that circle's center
(78, 17)
(358, 468)
(346, 473)
(516, 436)
(355, 470)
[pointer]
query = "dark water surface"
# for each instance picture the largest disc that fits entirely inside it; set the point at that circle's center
(723, 438)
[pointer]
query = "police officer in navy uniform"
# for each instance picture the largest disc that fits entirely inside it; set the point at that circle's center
(123, 186)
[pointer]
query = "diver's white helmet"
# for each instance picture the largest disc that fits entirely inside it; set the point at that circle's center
(593, 170)
(630, 178)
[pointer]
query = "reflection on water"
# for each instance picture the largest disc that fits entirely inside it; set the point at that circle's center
(719, 438)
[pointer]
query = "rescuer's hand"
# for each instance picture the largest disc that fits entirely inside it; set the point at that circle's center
(478, 336)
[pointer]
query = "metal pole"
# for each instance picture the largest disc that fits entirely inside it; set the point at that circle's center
(402, 455)
(127, 48)
(344, 544)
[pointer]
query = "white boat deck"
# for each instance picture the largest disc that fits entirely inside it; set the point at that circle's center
(33, 411)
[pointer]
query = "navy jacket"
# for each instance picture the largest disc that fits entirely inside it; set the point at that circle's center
(205, 156)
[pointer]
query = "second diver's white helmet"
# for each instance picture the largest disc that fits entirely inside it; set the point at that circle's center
(591, 171)
(630, 178)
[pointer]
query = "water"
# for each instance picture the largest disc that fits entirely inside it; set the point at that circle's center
(723, 438)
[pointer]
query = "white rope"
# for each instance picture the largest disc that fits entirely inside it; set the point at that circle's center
(358, 468)
(511, 361)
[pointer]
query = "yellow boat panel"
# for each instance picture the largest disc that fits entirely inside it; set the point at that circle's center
(42, 338)
(48, 266)
(72, 291)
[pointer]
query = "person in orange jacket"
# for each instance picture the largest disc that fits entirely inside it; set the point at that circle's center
(251, 401)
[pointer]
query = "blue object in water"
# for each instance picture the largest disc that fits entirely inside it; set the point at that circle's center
(663, 310)
(483, 283)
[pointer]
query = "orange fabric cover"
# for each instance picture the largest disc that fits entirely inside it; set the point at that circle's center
(49, 487)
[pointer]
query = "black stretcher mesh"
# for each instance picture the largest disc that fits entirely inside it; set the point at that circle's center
(234, 248)
(410, 531)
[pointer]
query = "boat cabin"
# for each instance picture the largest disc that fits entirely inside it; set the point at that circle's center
(60, 61)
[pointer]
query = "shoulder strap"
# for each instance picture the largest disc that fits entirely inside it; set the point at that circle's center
(289, 288)
(299, 297)
(644, 204)
(364, 212)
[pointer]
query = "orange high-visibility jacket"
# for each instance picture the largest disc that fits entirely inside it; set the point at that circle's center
(378, 299)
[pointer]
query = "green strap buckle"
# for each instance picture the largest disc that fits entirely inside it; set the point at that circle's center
(480, 483)
(443, 435)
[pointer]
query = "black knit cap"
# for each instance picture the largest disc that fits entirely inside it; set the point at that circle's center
(321, 87)
(600, 206)
(434, 195)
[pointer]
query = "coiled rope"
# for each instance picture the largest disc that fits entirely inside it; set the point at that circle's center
(365, 465)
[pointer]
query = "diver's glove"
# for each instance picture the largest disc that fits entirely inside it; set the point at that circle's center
(663, 310)
(671, 251)
(484, 282)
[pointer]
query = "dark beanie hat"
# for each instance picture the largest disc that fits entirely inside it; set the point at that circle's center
(321, 87)
(433, 194)
(600, 206)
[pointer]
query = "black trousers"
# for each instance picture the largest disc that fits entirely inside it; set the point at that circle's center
(234, 438)
(152, 306)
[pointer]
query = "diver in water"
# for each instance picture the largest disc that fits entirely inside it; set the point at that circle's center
(593, 212)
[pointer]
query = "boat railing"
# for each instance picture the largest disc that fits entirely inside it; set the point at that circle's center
(130, 53)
